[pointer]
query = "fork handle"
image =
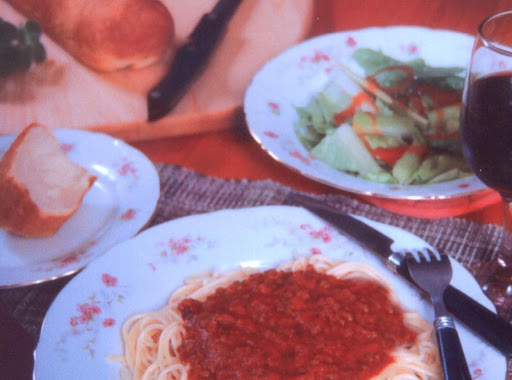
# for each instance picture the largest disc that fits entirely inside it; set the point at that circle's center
(450, 348)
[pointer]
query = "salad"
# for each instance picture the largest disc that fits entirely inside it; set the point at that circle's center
(397, 124)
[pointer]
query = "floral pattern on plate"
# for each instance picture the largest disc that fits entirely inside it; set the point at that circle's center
(118, 205)
(91, 316)
(258, 237)
(179, 248)
(294, 76)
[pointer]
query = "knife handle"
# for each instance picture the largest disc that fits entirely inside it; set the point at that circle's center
(190, 59)
(482, 321)
(453, 360)
(479, 319)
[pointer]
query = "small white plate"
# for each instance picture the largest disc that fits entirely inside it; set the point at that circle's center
(140, 274)
(117, 206)
(293, 77)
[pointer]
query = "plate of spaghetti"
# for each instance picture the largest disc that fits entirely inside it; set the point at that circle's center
(267, 292)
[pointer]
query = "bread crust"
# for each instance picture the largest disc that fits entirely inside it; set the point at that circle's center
(106, 35)
(19, 214)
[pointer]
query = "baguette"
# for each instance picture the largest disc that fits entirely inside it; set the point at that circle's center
(106, 35)
(40, 188)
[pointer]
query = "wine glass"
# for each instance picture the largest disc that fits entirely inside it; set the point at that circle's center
(486, 132)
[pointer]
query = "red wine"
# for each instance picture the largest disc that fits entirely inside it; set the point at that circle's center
(486, 130)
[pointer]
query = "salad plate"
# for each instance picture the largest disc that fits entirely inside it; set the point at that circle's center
(117, 206)
(82, 327)
(292, 79)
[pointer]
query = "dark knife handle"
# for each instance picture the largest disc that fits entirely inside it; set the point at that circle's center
(483, 322)
(487, 325)
(453, 360)
(190, 59)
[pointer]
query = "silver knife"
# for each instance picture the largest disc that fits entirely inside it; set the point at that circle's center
(190, 59)
(489, 326)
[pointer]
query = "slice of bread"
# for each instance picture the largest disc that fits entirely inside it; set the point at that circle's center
(40, 188)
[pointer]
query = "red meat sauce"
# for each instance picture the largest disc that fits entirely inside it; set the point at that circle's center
(292, 325)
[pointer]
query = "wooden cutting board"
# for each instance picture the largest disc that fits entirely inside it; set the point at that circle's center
(62, 93)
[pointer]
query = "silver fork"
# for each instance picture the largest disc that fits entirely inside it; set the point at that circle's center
(432, 272)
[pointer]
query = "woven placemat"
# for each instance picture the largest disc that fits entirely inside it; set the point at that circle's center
(184, 192)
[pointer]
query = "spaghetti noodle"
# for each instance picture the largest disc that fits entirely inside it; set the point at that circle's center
(155, 342)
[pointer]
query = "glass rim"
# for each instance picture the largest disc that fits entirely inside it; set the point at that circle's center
(500, 48)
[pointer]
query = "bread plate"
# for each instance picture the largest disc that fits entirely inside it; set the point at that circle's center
(118, 205)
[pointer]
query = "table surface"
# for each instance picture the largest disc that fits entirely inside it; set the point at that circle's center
(232, 153)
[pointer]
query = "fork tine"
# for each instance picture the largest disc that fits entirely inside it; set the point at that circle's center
(429, 254)
(434, 252)
(415, 254)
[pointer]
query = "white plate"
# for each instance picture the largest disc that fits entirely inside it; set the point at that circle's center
(117, 206)
(293, 77)
(140, 274)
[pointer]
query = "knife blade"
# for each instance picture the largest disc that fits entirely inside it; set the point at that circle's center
(488, 325)
(190, 59)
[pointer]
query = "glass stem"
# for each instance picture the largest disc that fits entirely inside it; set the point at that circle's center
(505, 252)
(498, 285)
